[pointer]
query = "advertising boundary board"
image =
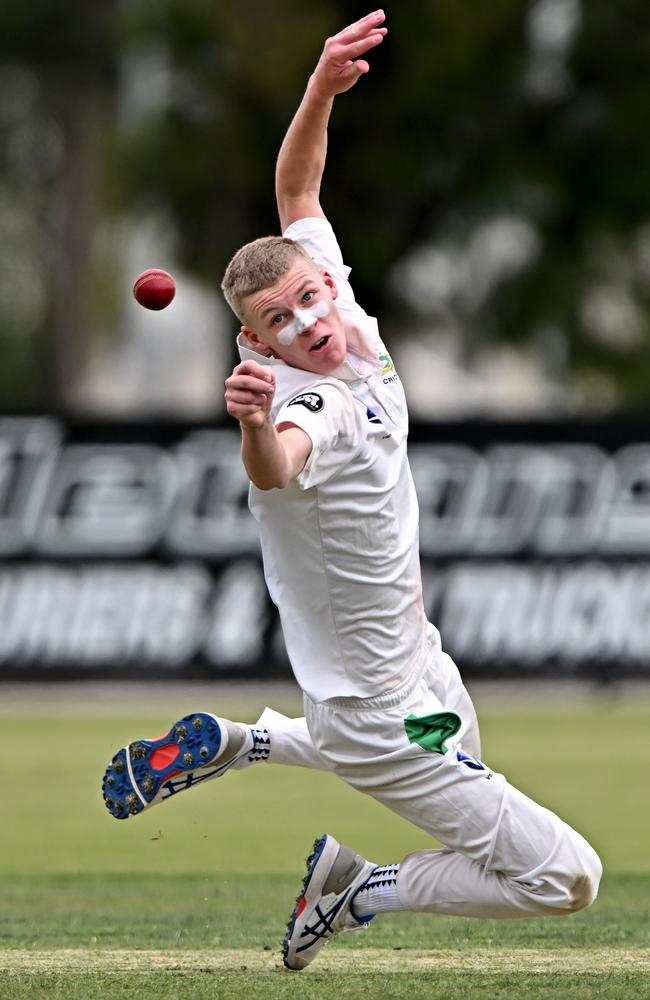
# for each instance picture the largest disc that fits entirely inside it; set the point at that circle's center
(127, 550)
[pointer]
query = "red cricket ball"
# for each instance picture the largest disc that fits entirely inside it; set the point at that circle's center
(154, 289)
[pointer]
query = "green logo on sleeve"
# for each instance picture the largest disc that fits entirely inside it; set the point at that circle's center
(431, 731)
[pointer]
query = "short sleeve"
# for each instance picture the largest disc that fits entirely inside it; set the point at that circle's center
(328, 414)
(317, 237)
(365, 348)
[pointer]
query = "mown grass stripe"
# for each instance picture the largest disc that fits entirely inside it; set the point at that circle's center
(363, 960)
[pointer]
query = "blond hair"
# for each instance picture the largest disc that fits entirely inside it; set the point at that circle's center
(259, 265)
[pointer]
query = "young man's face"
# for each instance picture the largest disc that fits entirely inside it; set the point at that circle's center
(297, 320)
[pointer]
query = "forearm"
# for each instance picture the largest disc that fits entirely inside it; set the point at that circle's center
(265, 460)
(301, 160)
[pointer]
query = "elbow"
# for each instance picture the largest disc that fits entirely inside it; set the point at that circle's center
(265, 485)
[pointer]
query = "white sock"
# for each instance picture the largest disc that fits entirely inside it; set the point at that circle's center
(379, 894)
(259, 751)
(261, 745)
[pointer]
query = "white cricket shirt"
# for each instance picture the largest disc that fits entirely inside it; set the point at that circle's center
(340, 543)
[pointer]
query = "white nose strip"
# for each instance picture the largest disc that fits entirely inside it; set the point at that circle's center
(302, 320)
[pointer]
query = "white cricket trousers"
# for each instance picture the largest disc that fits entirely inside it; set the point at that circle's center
(503, 855)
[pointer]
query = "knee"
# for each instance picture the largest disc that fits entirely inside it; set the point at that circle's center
(583, 881)
(571, 880)
(582, 892)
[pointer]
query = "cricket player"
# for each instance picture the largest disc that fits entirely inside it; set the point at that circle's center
(324, 425)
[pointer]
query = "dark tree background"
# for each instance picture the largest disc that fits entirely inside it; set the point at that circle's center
(524, 121)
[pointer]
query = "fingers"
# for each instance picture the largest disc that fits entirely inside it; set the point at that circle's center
(357, 48)
(340, 65)
(249, 393)
(247, 399)
(253, 376)
(240, 410)
(238, 381)
(361, 27)
(344, 48)
(247, 407)
(253, 368)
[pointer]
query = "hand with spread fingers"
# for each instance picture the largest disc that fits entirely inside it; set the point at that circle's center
(340, 65)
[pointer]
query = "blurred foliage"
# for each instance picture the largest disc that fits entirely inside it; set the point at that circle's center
(505, 144)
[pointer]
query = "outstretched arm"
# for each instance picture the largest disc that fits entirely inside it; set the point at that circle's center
(301, 160)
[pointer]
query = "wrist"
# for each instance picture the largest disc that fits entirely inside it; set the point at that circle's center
(259, 426)
(319, 93)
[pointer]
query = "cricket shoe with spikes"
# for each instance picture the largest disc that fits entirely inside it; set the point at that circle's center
(334, 875)
(196, 748)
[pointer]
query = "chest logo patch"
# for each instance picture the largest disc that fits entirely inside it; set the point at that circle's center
(311, 400)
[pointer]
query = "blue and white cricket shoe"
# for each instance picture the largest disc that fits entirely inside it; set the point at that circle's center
(196, 748)
(334, 874)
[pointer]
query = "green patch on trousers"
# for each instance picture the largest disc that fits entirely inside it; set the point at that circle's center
(431, 731)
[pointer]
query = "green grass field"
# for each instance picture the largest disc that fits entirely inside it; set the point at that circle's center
(190, 899)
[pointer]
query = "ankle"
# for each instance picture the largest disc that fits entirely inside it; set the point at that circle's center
(261, 747)
(378, 894)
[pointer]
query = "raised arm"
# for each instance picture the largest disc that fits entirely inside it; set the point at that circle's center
(301, 160)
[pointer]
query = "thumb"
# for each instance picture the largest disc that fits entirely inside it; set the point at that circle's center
(352, 73)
